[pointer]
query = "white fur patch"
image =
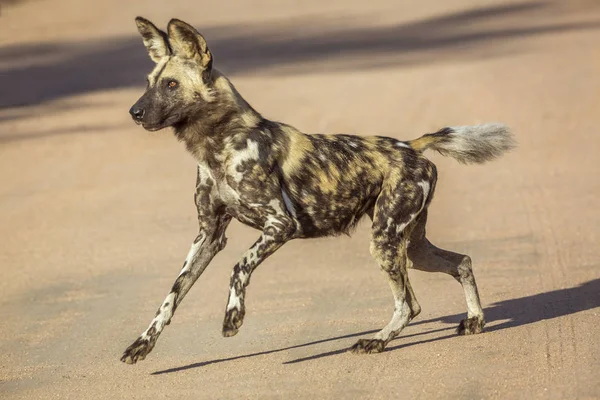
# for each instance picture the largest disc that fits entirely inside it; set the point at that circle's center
(426, 187)
(234, 301)
(192, 254)
(276, 205)
(249, 153)
(157, 69)
(390, 222)
(244, 277)
(401, 227)
(164, 315)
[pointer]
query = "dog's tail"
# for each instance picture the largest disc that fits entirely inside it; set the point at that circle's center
(468, 144)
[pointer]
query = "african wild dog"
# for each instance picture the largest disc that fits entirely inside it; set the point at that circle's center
(290, 185)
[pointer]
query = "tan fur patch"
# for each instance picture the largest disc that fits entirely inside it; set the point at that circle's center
(299, 146)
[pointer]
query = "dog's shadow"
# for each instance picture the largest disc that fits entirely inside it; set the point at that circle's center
(514, 312)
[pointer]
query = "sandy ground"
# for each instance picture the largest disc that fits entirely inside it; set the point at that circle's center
(96, 215)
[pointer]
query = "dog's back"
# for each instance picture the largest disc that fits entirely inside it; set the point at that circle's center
(331, 181)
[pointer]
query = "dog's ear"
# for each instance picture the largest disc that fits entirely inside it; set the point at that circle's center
(155, 40)
(189, 43)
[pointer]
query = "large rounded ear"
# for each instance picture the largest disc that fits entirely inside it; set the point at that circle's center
(155, 40)
(187, 42)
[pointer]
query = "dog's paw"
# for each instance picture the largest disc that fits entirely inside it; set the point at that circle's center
(470, 326)
(232, 322)
(229, 330)
(137, 351)
(368, 346)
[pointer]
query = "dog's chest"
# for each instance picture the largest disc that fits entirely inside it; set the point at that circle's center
(244, 198)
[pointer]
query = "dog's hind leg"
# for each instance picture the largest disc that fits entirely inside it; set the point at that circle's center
(393, 220)
(424, 256)
(410, 294)
(415, 307)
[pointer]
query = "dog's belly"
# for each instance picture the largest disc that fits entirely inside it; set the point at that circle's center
(335, 180)
(252, 212)
(252, 217)
(320, 215)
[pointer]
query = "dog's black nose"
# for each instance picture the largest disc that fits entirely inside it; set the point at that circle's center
(137, 113)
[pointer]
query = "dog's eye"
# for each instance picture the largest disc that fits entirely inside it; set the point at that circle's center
(172, 84)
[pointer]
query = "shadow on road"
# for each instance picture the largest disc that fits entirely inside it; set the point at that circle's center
(538, 307)
(262, 353)
(515, 312)
(33, 74)
(7, 2)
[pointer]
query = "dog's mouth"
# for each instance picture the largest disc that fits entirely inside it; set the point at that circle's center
(156, 127)
(152, 128)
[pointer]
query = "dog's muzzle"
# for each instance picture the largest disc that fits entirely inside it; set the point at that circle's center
(137, 113)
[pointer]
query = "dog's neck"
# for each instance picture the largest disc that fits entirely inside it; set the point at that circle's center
(226, 113)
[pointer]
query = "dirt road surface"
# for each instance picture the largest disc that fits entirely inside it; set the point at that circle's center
(96, 215)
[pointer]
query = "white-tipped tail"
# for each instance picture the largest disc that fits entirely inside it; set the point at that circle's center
(468, 144)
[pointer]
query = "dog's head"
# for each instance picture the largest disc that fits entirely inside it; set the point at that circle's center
(180, 82)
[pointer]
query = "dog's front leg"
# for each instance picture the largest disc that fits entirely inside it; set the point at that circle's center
(210, 240)
(277, 232)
